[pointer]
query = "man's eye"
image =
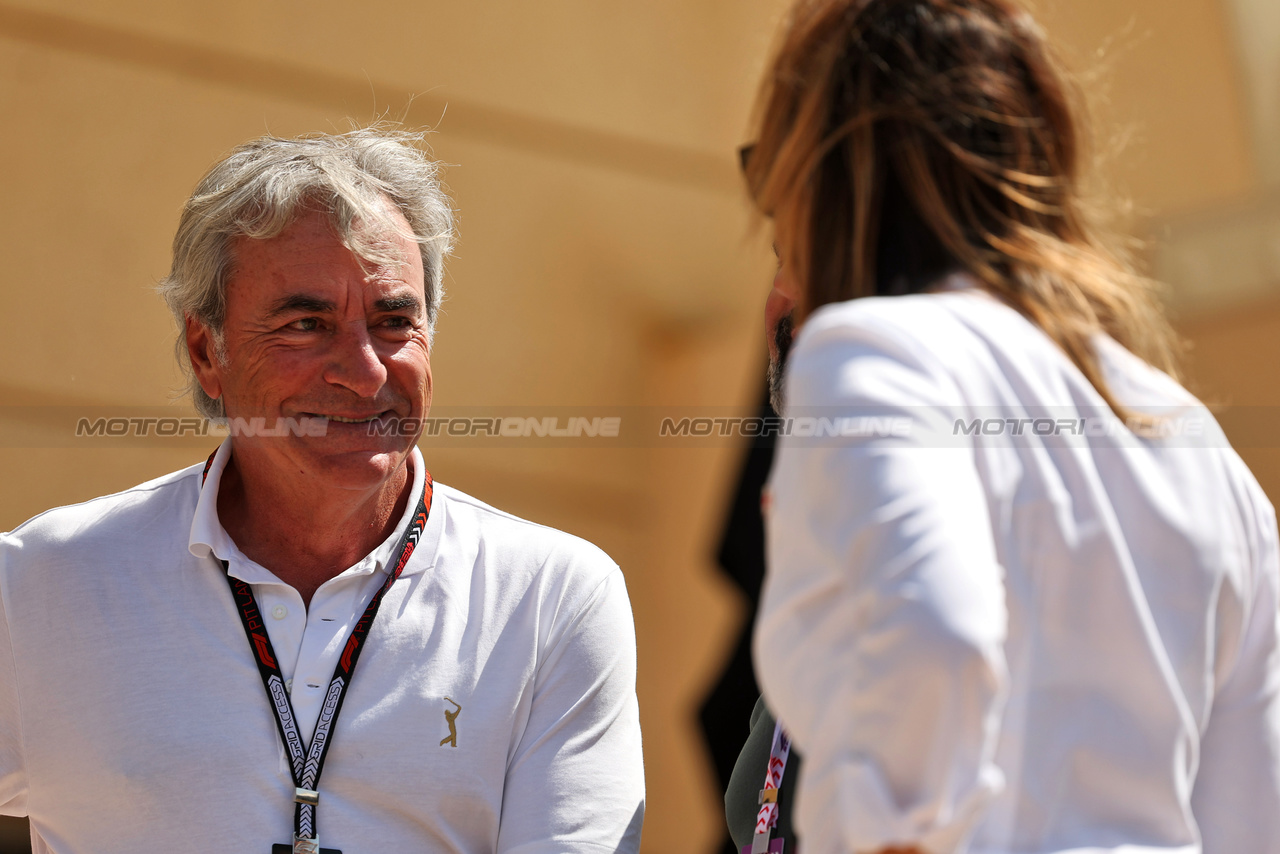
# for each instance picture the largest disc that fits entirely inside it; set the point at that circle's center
(306, 324)
(398, 322)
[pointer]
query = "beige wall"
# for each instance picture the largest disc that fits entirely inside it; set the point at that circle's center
(603, 257)
(1162, 77)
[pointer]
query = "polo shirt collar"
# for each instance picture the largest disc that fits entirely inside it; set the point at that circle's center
(208, 537)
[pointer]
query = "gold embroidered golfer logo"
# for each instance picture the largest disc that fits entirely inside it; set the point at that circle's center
(451, 718)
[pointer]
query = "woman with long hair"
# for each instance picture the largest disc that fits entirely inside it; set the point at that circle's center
(1022, 595)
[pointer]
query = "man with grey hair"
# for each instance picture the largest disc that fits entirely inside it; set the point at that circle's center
(177, 661)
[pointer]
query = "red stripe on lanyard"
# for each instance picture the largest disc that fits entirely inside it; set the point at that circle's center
(307, 761)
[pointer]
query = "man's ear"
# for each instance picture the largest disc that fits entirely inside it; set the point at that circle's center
(202, 350)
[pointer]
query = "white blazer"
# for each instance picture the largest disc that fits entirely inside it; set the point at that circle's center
(995, 619)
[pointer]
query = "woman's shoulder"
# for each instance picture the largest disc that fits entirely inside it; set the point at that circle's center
(934, 330)
(957, 300)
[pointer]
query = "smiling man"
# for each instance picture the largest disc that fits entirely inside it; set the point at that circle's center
(178, 661)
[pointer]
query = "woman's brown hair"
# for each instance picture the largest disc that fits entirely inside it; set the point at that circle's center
(902, 139)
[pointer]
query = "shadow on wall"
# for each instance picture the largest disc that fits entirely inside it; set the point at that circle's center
(726, 712)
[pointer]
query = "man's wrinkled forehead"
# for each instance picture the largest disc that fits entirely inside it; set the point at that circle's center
(381, 239)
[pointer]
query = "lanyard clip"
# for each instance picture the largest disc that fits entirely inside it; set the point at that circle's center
(306, 846)
(306, 796)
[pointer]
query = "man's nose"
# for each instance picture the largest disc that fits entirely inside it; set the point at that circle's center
(354, 362)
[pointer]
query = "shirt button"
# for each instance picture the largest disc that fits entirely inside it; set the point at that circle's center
(288, 684)
(279, 612)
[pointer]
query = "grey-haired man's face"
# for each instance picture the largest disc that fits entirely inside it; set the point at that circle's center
(318, 335)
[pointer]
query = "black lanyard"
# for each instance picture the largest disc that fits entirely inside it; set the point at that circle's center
(306, 762)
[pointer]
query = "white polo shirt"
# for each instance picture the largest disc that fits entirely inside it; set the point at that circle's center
(995, 620)
(133, 718)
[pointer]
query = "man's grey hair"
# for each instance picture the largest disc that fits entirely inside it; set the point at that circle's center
(265, 185)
